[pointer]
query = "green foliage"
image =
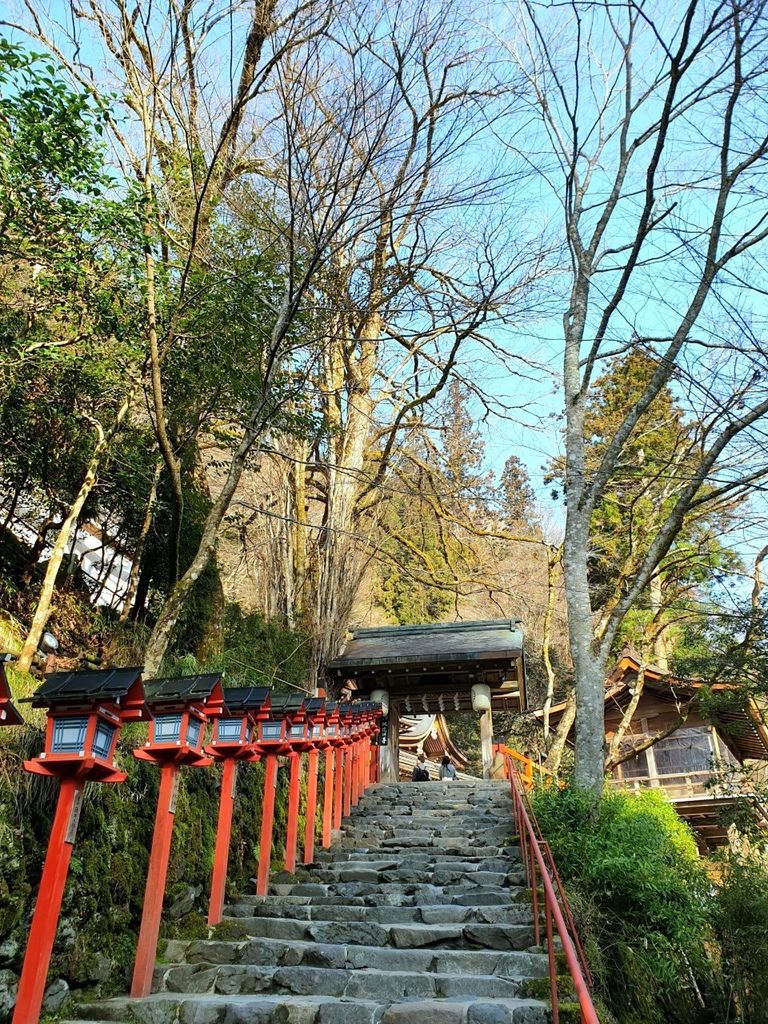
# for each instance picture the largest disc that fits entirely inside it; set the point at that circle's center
(653, 468)
(68, 237)
(640, 896)
(741, 925)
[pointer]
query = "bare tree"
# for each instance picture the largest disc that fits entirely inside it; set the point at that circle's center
(411, 292)
(653, 116)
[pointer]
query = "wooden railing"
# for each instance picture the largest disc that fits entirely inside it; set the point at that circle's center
(541, 872)
(527, 769)
(676, 784)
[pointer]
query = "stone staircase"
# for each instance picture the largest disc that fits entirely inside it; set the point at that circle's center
(417, 915)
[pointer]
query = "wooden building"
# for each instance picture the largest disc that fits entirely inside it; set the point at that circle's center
(433, 669)
(697, 765)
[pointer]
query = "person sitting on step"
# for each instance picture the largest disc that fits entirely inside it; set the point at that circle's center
(420, 771)
(447, 770)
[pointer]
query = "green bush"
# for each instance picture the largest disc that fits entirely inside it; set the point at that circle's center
(641, 898)
(741, 923)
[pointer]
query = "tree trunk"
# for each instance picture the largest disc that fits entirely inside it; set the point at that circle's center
(133, 578)
(553, 557)
(555, 754)
(588, 668)
(660, 639)
(587, 665)
(43, 609)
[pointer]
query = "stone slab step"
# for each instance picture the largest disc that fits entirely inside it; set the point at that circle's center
(438, 841)
(511, 964)
(405, 896)
(377, 865)
(402, 936)
(367, 983)
(166, 1008)
(465, 852)
(437, 880)
(515, 913)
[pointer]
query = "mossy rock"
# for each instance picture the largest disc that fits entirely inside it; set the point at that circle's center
(230, 931)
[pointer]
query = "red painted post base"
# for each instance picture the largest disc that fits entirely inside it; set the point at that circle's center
(29, 999)
(267, 821)
(146, 948)
(330, 772)
(223, 835)
(309, 827)
(292, 825)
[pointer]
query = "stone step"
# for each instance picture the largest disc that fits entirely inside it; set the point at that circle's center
(437, 809)
(366, 983)
(401, 936)
(391, 841)
(167, 1008)
(436, 803)
(403, 896)
(437, 880)
(510, 964)
(515, 913)
(377, 865)
(469, 851)
(372, 840)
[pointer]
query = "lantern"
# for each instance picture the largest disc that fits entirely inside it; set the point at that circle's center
(85, 711)
(237, 727)
(381, 697)
(233, 735)
(481, 697)
(8, 713)
(180, 708)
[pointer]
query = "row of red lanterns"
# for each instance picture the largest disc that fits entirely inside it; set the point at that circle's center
(85, 712)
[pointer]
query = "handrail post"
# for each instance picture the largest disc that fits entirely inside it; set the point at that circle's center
(534, 898)
(552, 966)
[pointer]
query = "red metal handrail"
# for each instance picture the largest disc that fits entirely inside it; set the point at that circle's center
(538, 861)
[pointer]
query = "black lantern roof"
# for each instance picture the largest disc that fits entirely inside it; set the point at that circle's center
(286, 703)
(331, 706)
(245, 698)
(108, 685)
(370, 706)
(183, 688)
(314, 705)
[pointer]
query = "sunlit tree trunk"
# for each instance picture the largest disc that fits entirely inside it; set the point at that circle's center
(43, 607)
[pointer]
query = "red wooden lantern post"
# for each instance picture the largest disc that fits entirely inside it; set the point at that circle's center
(179, 709)
(8, 713)
(297, 734)
(316, 713)
(342, 763)
(233, 739)
(372, 750)
(363, 751)
(351, 756)
(272, 741)
(85, 713)
(301, 733)
(331, 739)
